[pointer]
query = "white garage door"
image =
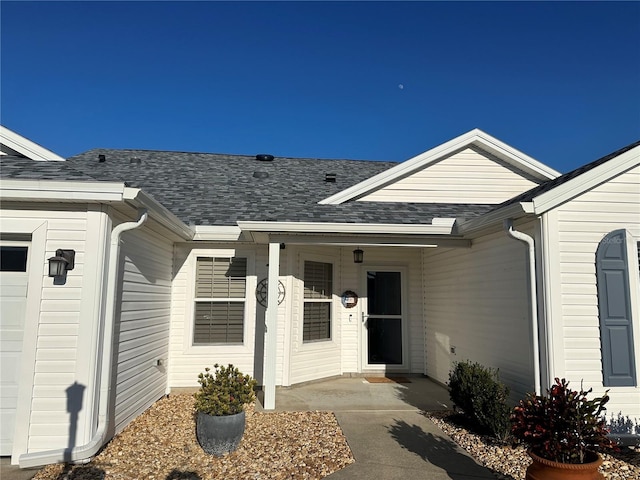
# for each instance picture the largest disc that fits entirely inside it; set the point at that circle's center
(13, 300)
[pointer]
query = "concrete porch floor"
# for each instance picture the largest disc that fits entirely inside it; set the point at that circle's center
(385, 427)
(355, 394)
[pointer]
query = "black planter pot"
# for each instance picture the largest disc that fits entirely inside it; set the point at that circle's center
(218, 435)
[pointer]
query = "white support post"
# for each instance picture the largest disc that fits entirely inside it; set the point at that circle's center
(271, 333)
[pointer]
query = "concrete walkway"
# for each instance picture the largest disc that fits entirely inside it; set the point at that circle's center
(384, 425)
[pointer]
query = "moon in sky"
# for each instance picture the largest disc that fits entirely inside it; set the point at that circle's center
(400, 86)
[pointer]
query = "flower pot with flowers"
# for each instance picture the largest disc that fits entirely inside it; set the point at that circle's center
(219, 404)
(564, 432)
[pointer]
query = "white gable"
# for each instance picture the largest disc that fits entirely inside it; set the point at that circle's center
(468, 176)
(13, 144)
(472, 168)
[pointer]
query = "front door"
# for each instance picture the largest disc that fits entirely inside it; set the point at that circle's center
(383, 326)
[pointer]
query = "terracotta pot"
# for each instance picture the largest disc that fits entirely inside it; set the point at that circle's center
(543, 469)
(218, 435)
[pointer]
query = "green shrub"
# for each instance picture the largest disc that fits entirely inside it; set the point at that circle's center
(478, 392)
(225, 392)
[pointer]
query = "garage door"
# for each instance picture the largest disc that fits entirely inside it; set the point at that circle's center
(13, 300)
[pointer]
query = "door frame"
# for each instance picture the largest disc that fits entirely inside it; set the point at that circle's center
(404, 305)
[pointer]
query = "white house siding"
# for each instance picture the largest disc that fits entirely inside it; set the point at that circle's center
(142, 321)
(468, 176)
(477, 304)
(575, 230)
(343, 353)
(320, 359)
(187, 361)
(58, 328)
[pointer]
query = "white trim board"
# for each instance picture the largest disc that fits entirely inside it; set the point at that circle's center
(17, 144)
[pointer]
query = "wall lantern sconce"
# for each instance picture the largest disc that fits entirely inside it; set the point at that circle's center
(63, 261)
(358, 255)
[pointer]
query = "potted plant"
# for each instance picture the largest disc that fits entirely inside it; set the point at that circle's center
(219, 405)
(564, 432)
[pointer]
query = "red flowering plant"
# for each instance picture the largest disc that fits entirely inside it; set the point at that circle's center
(563, 426)
(224, 392)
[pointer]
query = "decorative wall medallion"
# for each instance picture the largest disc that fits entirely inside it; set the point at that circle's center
(261, 292)
(349, 299)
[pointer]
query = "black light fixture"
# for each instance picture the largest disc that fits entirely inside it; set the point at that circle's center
(358, 255)
(63, 261)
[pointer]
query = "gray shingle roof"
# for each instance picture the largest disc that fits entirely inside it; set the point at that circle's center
(545, 187)
(13, 167)
(216, 189)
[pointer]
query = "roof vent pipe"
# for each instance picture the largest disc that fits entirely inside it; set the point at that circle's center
(263, 157)
(330, 177)
(135, 160)
(102, 158)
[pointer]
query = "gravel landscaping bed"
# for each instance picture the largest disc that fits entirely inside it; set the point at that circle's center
(509, 463)
(161, 445)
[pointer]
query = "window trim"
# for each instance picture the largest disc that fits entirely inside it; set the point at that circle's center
(332, 301)
(247, 345)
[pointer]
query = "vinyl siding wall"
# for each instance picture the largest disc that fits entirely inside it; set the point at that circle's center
(574, 231)
(468, 176)
(477, 303)
(57, 355)
(318, 359)
(187, 361)
(343, 353)
(142, 321)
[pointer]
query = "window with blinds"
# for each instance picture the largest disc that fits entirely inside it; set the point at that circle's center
(318, 290)
(220, 300)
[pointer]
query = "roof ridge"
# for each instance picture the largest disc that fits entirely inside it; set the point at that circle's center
(231, 155)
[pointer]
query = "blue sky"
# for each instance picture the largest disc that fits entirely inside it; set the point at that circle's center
(362, 80)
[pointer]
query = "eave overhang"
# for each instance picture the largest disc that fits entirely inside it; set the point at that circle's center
(496, 217)
(438, 233)
(110, 193)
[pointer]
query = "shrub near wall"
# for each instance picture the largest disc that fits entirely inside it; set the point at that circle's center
(477, 390)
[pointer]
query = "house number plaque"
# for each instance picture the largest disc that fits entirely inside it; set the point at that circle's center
(349, 299)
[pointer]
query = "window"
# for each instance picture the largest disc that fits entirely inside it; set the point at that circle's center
(318, 291)
(220, 297)
(13, 259)
(614, 306)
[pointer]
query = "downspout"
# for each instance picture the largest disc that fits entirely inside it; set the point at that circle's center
(533, 298)
(105, 339)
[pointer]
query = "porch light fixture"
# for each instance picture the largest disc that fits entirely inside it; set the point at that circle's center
(358, 255)
(63, 261)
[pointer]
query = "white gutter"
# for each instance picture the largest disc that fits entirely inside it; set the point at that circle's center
(105, 341)
(533, 299)
(438, 226)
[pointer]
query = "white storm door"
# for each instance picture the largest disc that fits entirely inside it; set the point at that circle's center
(383, 321)
(13, 302)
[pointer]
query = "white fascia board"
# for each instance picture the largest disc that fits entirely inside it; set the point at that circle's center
(514, 210)
(586, 181)
(474, 137)
(217, 233)
(26, 147)
(439, 227)
(158, 212)
(56, 190)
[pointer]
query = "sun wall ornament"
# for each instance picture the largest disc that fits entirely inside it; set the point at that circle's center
(261, 292)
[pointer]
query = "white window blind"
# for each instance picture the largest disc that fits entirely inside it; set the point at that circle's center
(318, 290)
(220, 300)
